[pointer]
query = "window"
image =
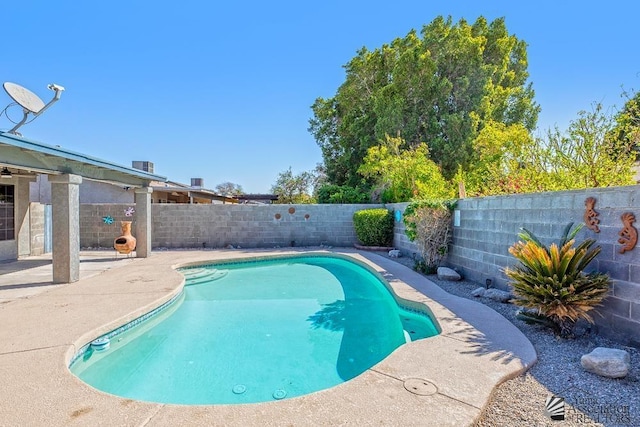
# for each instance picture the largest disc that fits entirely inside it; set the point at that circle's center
(6, 213)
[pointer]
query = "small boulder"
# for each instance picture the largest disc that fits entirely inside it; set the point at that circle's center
(607, 362)
(498, 295)
(394, 253)
(478, 292)
(446, 273)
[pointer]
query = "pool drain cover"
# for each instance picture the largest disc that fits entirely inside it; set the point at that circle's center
(420, 387)
(239, 388)
(279, 394)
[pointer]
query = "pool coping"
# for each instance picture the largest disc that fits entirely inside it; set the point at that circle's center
(443, 380)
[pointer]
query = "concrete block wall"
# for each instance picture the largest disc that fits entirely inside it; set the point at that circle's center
(400, 239)
(217, 226)
(36, 220)
(94, 231)
(490, 225)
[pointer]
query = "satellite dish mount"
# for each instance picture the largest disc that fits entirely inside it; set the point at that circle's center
(29, 101)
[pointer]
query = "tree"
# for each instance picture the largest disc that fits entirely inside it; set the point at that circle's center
(330, 193)
(587, 155)
(627, 128)
(591, 153)
(292, 188)
(404, 175)
(319, 175)
(440, 87)
(504, 162)
(229, 188)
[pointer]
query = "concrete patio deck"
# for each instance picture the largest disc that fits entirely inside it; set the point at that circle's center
(445, 380)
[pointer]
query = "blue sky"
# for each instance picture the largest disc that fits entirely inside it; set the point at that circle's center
(223, 91)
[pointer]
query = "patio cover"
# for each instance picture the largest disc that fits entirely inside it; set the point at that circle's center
(66, 169)
(35, 157)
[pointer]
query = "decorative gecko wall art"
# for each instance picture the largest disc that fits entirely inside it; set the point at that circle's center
(629, 234)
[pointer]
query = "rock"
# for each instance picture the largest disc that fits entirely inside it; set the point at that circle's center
(607, 362)
(494, 294)
(498, 295)
(478, 292)
(446, 273)
(394, 253)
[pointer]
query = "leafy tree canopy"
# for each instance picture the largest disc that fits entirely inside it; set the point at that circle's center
(229, 188)
(627, 127)
(292, 188)
(503, 161)
(336, 194)
(590, 153)
(404, 174)
(440, 86)
(587, 155)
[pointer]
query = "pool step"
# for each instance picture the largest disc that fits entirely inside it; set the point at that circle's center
(197, 276)
(193, 273)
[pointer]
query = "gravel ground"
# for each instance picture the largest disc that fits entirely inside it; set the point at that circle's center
(589, 399)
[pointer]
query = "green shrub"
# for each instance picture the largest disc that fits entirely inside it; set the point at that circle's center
(335, 194)
(428, 224)
(551, 282)
(374, 227)
(421, 267)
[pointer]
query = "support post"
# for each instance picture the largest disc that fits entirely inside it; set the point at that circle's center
(65, 206)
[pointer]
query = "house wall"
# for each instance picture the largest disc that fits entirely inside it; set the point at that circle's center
(40, 190)
(90, 192)
(490, 225)
(217, 226)
(102, 192)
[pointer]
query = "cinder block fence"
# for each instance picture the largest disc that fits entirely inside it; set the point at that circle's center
(488, 226)
(218, 226)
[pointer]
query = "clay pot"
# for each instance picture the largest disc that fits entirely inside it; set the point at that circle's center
(125, 243)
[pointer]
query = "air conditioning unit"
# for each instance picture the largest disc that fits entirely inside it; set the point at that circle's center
(197, 182)
(143, 166)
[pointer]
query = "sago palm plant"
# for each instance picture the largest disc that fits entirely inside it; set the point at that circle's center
(551, 280)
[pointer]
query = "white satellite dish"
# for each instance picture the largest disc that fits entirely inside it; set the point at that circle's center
(29, 101)
(24, 97)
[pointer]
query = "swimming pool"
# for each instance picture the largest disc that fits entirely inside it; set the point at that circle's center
(263, 330)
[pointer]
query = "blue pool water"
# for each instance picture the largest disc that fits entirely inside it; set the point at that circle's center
(256, 331)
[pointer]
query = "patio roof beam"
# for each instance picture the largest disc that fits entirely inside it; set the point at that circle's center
(24, 154)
